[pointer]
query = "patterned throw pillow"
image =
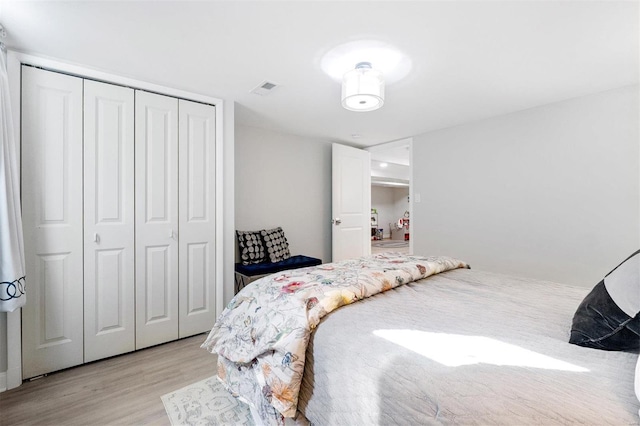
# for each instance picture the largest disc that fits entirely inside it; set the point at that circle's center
(251, 247)
(276, 244)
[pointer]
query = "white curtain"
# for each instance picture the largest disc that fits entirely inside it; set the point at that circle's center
(12, 277)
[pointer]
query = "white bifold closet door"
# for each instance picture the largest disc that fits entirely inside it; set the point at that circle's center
(52, 320)
(118, 197)
(156, 219)
(109, 277)
(197, 217)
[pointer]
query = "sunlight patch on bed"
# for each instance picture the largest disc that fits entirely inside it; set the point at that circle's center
(454, 350)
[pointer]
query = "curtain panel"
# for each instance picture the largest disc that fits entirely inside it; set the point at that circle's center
(12, 275)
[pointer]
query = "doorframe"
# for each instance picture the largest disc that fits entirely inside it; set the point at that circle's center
(397, 144)
(15, 60)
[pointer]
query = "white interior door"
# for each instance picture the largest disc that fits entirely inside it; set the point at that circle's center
(109, 322)
(52, 320)
(197, 218)
(351, 203)
(156, 219)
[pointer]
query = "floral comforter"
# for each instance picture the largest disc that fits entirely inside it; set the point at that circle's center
(266, 326)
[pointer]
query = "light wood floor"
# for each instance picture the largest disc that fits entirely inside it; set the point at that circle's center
(375, 250)
(122, 390)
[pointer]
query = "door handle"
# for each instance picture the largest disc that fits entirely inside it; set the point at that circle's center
(96, 238)
(336, 221)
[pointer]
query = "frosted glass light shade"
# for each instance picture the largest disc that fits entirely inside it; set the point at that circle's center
(363, 88)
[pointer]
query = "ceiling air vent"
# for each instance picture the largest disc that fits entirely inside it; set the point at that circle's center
(264, 88)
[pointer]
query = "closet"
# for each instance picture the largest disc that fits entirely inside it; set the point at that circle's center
(118, 196)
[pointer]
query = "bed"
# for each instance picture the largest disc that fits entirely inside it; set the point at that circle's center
(457, 347)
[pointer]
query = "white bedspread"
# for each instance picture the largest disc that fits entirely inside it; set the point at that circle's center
(464, 347)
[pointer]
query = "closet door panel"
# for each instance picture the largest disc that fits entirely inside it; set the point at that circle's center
(197, 217)
(109, 318)
(156, 219)
(52, 321)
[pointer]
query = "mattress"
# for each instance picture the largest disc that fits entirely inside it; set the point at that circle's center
(464, 347)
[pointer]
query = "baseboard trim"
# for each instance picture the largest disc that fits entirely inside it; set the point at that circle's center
(3, 382)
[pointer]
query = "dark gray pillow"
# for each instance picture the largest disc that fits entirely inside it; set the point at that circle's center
(276, 244)
(251, 247)
(609, 317)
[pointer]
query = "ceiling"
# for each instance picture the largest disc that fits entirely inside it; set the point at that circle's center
(469, 59)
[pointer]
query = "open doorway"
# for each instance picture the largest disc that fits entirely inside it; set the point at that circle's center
(391, 203)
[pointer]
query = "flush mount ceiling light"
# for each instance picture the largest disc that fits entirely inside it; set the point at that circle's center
(363, 88)
(389, 62)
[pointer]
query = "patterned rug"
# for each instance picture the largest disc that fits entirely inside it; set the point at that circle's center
(391, 244)
(205, 403)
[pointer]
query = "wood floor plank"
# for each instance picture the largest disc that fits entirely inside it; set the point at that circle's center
(123, 390)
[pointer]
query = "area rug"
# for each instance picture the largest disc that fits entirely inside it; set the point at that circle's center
(205, 403)
(391, 244)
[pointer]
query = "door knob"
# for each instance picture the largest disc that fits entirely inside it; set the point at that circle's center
(336, 221)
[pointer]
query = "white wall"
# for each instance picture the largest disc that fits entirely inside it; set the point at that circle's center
(400, 202)
(391, 204)
(551, 192)
(382, 200)
(284, 180)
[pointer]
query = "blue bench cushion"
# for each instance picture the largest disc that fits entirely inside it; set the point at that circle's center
(294, 262)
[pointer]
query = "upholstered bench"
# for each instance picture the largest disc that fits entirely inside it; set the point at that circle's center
(265, 252)
(246, 274)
